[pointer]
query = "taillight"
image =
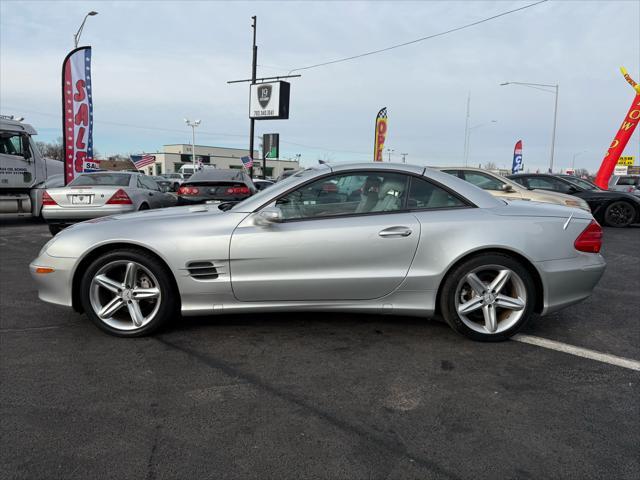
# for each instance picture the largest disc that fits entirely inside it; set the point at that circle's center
(188, 191)
(120, 198)
(47, 200)
(238, 190)
(590, 240)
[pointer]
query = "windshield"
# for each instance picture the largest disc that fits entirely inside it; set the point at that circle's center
(581, 183)
(268, 192)
(110, 179)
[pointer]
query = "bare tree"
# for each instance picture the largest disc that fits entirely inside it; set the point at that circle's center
(53, 150)
(490, 166)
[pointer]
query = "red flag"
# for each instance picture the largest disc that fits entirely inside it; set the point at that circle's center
(622, 137)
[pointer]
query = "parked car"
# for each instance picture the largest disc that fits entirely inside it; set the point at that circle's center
(92, 195)
(502, 187)
(176, 180)
(625, 183)
(614, 209)
(165, 184)
(216, 184)
(367, 237)
(37, 192)
(261, 183)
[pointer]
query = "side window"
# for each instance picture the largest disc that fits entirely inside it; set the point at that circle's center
(455, 173)
(424, 194)
(521, 180)
(486, 182)
(11, 145)
(541, 183)
(346, 194)
(150, 184)
(560, 186)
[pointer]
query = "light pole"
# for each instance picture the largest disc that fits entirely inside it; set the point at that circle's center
(573, 160)
(404, 157)
(193, 126)
(76, 36)
(468, 139)
(390, 151)
(544, 87)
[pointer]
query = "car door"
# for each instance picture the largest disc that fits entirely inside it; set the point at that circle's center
(151, 192)
(345, 236)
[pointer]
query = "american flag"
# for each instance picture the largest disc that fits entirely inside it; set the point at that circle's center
(247, 161)
(142, 160)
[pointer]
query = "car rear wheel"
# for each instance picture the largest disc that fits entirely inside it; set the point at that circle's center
(144, 206)
(488, 297)
(619, 214)
(128, 293)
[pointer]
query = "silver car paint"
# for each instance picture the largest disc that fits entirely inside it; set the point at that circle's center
(303, 265)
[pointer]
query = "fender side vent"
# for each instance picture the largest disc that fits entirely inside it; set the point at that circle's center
(202, 270)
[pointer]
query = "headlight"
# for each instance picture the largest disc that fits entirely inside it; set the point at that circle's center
(47, 245)
(578, 203)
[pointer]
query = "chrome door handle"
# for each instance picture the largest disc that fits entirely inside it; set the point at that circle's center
(395, 232)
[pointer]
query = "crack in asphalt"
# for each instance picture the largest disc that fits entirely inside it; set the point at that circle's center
(385, 445)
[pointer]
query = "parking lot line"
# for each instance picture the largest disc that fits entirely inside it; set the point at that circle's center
(578, 351)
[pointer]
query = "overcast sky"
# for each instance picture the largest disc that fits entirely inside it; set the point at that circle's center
(155, 62)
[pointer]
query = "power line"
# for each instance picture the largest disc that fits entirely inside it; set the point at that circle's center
(417, 40)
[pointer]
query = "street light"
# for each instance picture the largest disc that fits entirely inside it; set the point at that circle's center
(573, 160)
(76, 36)
(404, 157)
(193, 126)
(468, 140)
(390, 151)
(544, 87)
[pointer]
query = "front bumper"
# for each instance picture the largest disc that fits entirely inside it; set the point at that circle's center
(569, 281)
(57, 214)
(54, 287)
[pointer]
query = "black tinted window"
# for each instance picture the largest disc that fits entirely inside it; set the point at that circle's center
(424, 194)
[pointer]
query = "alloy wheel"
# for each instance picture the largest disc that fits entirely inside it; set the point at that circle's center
(490, 299)
(125, 295)
(619, 214)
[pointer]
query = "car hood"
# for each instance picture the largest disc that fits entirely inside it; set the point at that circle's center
(520, 208)
(167, 213)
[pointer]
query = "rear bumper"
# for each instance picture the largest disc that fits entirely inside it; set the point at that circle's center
(569, 281)
(54, 287)
(194, 200)
(57, 214)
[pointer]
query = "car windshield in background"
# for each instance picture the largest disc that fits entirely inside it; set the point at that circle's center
(629, 181)
(581, 183)
(106, 179)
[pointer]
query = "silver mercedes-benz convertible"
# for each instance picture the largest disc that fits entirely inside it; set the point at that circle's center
(375, 238)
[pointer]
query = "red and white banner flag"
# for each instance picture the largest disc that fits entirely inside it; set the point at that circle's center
(77, 114)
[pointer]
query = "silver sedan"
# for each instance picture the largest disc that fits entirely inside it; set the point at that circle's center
(375, 238)
(99, 194)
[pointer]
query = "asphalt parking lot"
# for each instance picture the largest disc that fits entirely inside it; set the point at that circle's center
(316, 395)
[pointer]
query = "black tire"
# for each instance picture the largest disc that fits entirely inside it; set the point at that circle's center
(619, 214)
(55, 229)
(144, 206)
(453, 279)
(169, 300)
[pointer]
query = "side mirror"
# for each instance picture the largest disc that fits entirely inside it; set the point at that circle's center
(505, 187)
(26, 151)
(268, 215)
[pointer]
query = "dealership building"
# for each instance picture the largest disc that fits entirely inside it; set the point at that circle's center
(174, 156)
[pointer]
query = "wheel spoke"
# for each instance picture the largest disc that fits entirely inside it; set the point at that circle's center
(476, 284)
(110, 308)
(145, 293)
(490, 318)
(130, 275)
(509, 302)
(135, 313)
(500, 281)
(108, 283)
(474, 304)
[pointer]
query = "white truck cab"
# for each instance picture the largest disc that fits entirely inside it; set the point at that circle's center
(23, 170)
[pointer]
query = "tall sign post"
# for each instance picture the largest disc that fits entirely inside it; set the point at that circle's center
(269, 98)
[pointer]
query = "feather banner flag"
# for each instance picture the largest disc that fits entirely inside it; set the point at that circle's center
(77, 114)
(622, 137)
(517, 158)
(380, 134)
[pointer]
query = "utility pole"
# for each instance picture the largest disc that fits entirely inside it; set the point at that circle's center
(404, 157)
(466, 131)
(252, 121)
(553, 134)
(193, 126)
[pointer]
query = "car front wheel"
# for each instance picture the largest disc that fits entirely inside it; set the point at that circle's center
(488, 297)
(128, 293)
